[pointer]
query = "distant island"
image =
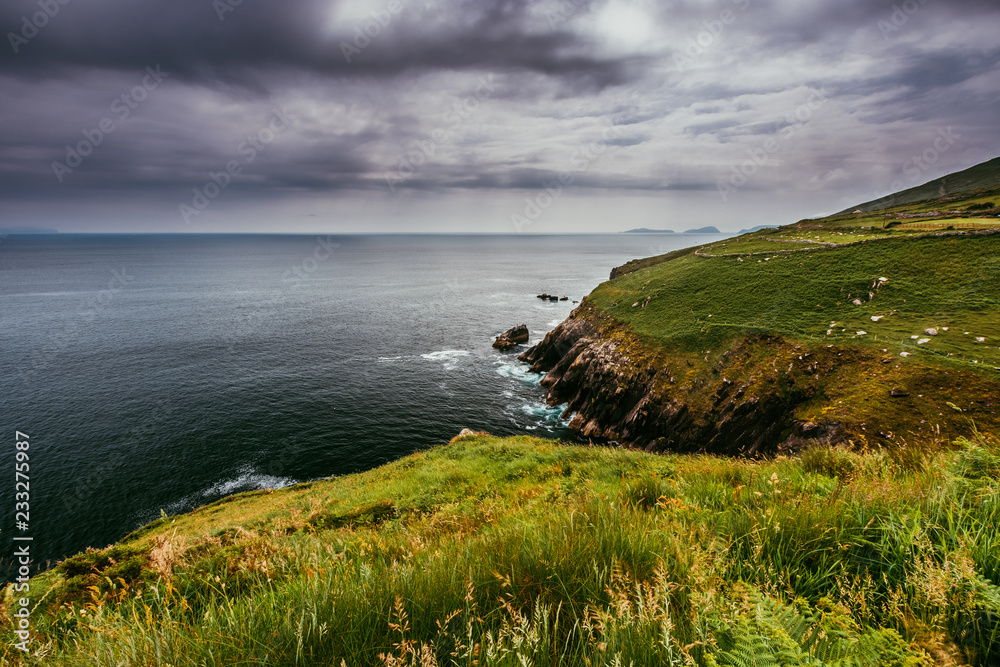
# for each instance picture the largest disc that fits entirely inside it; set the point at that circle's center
(643, 230)
(28, 230)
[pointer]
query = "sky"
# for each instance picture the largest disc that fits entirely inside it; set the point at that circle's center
(484, 116)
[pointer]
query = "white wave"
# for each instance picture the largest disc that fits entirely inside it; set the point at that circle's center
(445, 354)
(389, 360)
(554, 323)
(547, 412)
(517, 371)
(449, 358)
(247, 479)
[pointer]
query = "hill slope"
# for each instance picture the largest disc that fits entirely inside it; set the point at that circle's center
(504, 552)
(982, 176)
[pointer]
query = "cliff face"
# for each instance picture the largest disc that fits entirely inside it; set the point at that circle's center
(742, 402)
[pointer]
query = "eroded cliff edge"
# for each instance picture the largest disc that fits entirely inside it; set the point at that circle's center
(761, 395)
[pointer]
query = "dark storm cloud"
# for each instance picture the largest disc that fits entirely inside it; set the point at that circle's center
(451, 97)
(196, 42)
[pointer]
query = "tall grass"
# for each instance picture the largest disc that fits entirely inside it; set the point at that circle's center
(521, 552)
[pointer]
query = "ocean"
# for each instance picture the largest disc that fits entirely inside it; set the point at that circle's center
(157, 373)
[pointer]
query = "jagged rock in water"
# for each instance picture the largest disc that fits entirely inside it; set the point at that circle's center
(512, 337)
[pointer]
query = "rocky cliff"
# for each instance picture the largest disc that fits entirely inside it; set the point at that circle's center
(761, 395)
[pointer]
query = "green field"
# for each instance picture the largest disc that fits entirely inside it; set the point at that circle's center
(934, 282)
(528, 552)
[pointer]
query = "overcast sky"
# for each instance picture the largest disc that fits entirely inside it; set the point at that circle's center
(483, 116)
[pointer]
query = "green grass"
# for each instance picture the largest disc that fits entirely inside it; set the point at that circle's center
(527, 552)
(759, 245)
(642, 263)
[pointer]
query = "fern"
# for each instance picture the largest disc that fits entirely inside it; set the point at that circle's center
(748, 648)
(794, 635)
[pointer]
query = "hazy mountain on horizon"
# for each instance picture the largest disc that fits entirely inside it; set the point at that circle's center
(645, 230)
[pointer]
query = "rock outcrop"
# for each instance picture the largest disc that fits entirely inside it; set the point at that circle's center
(512, 337)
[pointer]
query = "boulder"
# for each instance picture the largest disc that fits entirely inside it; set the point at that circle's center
(512, 337)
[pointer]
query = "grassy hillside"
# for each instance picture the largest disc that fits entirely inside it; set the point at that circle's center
(857, 291)
(948, 283)
(981, 176)
(876, 371)
(528, 552)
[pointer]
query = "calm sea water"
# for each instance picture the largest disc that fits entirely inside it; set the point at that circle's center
(163, 372)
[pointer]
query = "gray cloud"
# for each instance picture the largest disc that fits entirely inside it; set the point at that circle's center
(460, 99)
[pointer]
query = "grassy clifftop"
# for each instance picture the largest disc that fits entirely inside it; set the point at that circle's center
(950, 283)
(527, 552)
(756, 353)
(885, 325)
